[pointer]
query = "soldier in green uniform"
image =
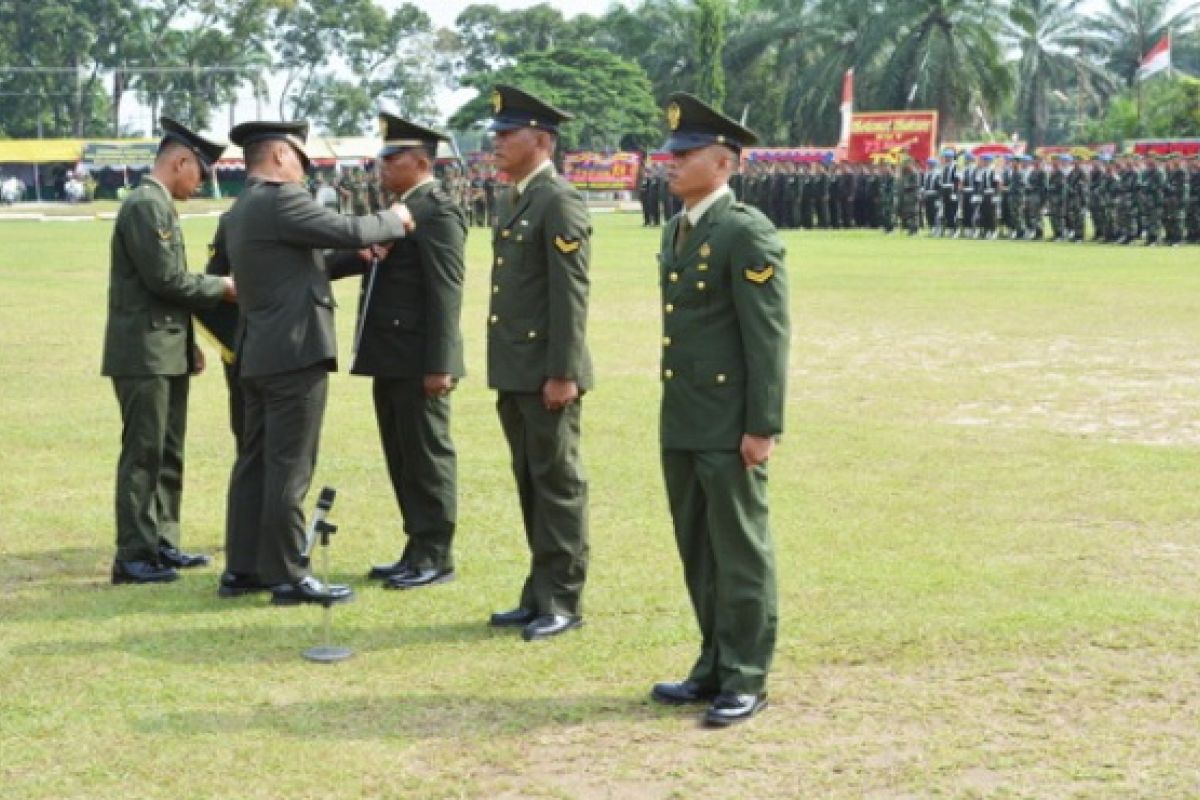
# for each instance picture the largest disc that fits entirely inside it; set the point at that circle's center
(1154, 184)
(724, 373)
(150, 352)
(273, 237)
(1075, 203)
(1127, 202)
(885, 208)
(1015, 190)
(910, 196)
(1193, 206)
(1037, 185)
(1095, 199)
(1175, 200)
(408, 340)
(537, 358)
(1056, 194)
(1110, 193)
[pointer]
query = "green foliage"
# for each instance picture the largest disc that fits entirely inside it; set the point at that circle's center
(710, 44)
(1170, 107)
(610, 96)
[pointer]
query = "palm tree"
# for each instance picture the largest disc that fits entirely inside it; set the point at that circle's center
(947, 57)
(1055, 49)
(1131, 27)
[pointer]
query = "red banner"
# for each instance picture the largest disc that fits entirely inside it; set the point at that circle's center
(602, 170)
(885, 135)
(1185, 147)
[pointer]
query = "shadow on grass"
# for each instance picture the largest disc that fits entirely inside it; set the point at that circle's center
(420, 715)
(260, 643)
(55, 565)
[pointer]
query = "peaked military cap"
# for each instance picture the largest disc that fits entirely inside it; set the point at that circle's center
(400, 135)
(294, 133)
(207, 153)
(513, 108)
(695, 124)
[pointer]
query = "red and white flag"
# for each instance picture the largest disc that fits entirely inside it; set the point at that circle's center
(1157, 59)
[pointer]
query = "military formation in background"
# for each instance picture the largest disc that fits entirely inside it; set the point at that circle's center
(358, 191)
(1119, 200)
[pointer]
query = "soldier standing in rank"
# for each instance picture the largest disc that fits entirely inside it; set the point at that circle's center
(285, 349)
(538, 361)
(1095, 199)
(150, 352)
(967, 206)
(1126, 203)
(724, 373)
(649, 196)
(1154, 184)
(1005, 175)
(910, 196)
(987, 190)
(1037, 186)
(948, 189)
(1017, 187)
(885, 204)
(408, 340)
(1193, 206)
(1075, 206)
(929, 194)
(1056, 192)
(1110, 193)
(1175, 200)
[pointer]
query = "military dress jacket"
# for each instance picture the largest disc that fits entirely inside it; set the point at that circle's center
(275, 236)
(537, 319)
(409, 326)
(150, 291)
(725, 330)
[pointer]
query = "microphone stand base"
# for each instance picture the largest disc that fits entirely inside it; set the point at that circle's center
(327, 654)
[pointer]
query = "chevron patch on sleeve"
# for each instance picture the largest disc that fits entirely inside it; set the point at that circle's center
(760, 276)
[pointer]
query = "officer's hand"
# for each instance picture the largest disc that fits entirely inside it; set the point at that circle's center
(197, 360)
(230, 295)
(406, 218)
(756, 449)
(558, 393)
(438, 385)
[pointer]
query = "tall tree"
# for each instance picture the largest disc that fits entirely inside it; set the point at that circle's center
(1055, 49)
(710, 44)
(610, 97)
(947, 57)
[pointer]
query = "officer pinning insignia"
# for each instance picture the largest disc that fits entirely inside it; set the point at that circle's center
(567, 246)
(760, 276)
(294, 133)
(514, 109)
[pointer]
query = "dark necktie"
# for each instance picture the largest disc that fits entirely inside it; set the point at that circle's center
(685, 227)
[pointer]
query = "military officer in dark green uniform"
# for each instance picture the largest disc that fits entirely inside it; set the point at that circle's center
(408, 339)
(537, 358)
(149, 352)
(274, 236)
(724, 373)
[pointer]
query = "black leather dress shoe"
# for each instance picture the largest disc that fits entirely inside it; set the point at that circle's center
(730, 709)
(682, 693)
(174, 557)
(415, 579)
(517, 618)
(142, 572)
(383, 572)
(310, 590)
(235, 585)
(549, 625)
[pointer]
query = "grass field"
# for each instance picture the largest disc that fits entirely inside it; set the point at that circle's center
(985, 511)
